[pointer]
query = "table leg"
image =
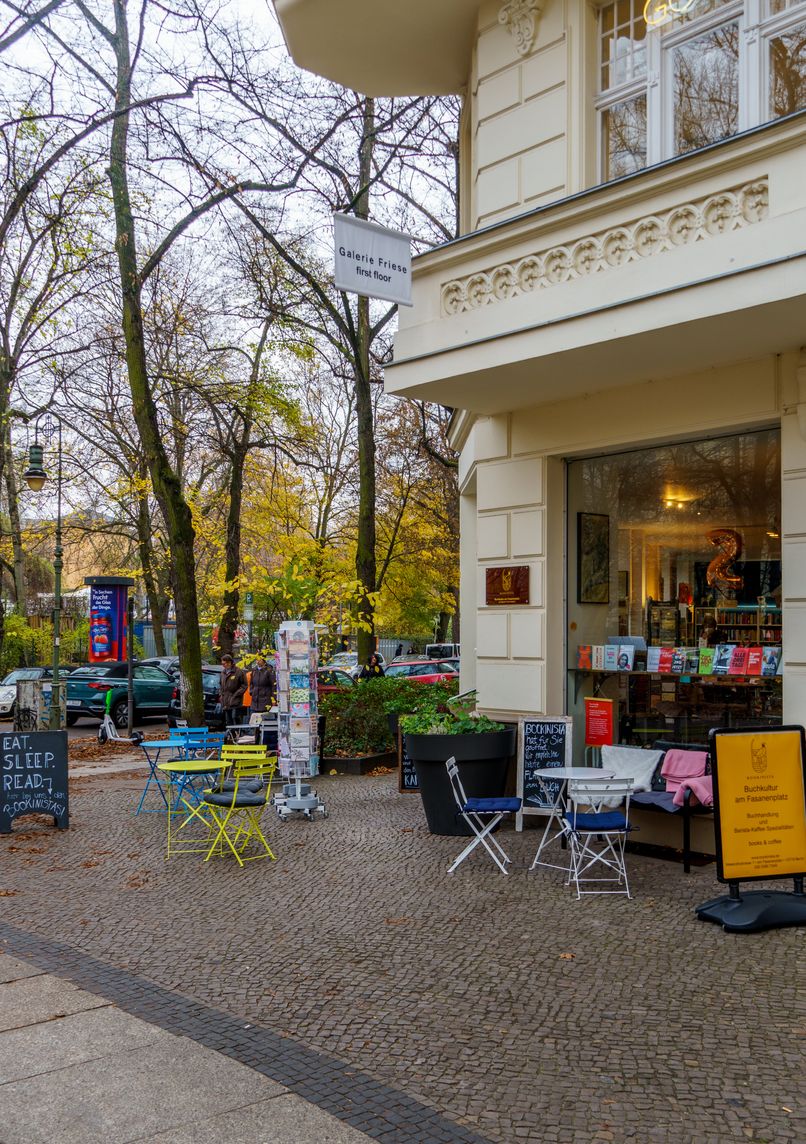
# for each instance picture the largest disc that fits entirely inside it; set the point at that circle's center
(153, 776)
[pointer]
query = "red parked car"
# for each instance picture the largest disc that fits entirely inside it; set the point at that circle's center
(421, 670)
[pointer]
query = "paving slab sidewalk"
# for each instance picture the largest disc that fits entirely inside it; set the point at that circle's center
(74, 1067)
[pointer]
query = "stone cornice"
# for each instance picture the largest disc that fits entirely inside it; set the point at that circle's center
(609, 249)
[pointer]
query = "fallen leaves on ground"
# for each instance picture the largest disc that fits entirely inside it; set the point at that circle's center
(567, 956)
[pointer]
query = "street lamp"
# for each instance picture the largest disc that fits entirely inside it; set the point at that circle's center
(35, 477)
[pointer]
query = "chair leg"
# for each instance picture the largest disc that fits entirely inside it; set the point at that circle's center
(483, 838)
(687, 836)
(584, 856)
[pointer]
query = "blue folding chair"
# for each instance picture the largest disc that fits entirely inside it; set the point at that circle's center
(197, 744)
(473, 811)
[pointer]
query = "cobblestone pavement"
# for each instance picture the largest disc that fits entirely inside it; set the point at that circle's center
(511, 1009)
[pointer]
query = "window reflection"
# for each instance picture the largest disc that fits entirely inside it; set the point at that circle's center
(624, 137)
(788, 71)
(706, 88)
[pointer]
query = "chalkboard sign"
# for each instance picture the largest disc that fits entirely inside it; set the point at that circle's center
(407, 782)
(34, 770)
(543, 742)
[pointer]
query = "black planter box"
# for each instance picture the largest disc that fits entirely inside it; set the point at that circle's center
(483, 765)
(361, 765)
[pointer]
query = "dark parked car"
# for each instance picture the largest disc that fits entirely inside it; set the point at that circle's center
(330, 679)
(169, 663)
(211, 683)
(87, 689)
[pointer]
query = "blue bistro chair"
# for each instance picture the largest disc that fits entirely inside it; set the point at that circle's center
(473, 811)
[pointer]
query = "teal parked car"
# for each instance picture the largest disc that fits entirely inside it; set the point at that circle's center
(87, 689)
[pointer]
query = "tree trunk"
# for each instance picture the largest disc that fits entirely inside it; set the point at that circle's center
(167, 488)
(16, 529)
(145, 550)
(232, 549)
(365, 569)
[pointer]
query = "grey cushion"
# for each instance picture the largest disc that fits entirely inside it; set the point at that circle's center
(242, 799)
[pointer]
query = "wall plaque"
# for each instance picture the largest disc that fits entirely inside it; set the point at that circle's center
(508, 585)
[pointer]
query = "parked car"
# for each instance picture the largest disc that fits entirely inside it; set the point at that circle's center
(422, 670)
(348, 661)
(169, 663)
(211, 685)
(330, 679)
(8, 688)
(441, 650)
(87, 689)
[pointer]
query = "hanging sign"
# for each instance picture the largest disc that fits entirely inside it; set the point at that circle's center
(371, 260)
(760, 803)
(598, 722)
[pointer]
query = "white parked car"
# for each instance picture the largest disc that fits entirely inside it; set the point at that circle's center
(8, 688)
(348, 661)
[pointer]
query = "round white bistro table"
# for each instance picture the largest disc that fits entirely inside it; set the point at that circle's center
(556, 810)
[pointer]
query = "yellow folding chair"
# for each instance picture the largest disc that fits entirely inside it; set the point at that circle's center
(236, 804)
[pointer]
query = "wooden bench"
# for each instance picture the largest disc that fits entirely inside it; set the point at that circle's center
(659, 800)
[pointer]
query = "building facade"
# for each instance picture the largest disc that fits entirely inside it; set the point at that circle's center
(620, 329)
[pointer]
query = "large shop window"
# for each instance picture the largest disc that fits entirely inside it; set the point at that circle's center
(674, 592)
(675, 75)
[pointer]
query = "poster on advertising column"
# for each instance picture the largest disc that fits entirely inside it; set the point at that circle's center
(108, 603)
(760, 803)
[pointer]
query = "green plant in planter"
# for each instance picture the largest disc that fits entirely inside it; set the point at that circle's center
(450, 723)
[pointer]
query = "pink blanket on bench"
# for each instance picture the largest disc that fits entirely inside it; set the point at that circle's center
(679, 765)
(702, 789)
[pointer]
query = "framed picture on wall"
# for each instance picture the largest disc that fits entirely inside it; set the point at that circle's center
(593, 558)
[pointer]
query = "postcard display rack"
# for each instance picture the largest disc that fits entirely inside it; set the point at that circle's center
(297, 720)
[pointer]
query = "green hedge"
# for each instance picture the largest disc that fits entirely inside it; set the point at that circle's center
(357, 718)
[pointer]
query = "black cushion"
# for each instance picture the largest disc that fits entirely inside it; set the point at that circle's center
(252, 785)
(242, 799)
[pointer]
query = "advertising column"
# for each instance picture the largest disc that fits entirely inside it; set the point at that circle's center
(108, 611)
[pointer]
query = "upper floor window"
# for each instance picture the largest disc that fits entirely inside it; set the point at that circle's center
(675, 75)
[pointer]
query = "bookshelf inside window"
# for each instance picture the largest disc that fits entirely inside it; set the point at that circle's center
(760, 625)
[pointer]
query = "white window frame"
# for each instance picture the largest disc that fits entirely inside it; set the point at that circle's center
(755, 33)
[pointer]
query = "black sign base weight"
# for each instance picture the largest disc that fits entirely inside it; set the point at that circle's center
(754, 911)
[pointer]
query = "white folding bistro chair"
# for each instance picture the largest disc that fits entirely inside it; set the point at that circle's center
(598, 826)
(472, 810)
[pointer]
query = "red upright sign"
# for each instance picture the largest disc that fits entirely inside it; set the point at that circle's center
(598, 722)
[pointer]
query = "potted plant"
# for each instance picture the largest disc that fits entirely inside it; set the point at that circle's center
(481, 746)
(358, 737)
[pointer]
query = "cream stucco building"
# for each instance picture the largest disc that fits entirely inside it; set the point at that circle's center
(619, 328)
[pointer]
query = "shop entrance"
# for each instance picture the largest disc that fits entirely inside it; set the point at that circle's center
(674, 586)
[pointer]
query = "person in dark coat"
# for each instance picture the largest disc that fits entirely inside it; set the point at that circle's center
(261, 685)
(232, 691)
(372, 668)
